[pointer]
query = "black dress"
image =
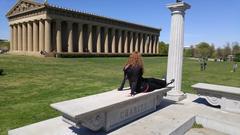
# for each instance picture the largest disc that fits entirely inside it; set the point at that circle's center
(139, 84)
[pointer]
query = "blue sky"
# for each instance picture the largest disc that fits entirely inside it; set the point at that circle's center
(212, 21)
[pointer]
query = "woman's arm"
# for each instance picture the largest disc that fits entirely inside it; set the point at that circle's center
(123, 81)
(124, 77)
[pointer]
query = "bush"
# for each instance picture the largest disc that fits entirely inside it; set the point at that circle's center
(237, 57)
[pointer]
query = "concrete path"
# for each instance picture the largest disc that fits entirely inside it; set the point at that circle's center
(203, 131)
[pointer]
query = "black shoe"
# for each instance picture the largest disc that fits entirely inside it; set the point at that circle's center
(120, 89)
(172, 81)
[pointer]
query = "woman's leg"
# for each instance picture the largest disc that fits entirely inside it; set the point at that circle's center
(156, 83)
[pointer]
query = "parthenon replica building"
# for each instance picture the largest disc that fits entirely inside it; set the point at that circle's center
(36, 27)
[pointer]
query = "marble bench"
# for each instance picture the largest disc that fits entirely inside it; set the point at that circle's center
(228, 98)
(108, 110)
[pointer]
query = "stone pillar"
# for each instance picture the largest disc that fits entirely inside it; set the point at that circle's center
(24, 31)
(154, 45)
(41, 35)
(113, 41)
(30, 36)
(141, 43)
(131, 42)
(70, 36)
(146, 44)
(15, 46)
(11, 37)
(175, 54)
(59, 36)
(119, 41)
(137, 42)
(106, 40)
(125, 42)
(157, 44)
(98, 36)
(150, 44)
(35, 36)
(48, 39)
(19, 37)
(90, 38)
(80, 38)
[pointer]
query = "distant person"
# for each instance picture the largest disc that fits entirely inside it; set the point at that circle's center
(204, 63)
(201, 64)
(235, 67)
(133, 71)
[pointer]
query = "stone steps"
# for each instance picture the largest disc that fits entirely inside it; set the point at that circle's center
(171, 118)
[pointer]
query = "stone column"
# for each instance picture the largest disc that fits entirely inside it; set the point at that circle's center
(70, 36)
(154, 45)
(80, 38)
(41, 35)
(113, 41)
(59, 36)
(125, 42)
(11, 37)
(48, 39)
(15, 46)
(35, 36)
(141, 43)
(19, 37)
(120, 41)
(150, 44)
(131, 42)
(98, 36)
(175, 54)
(30, 36)
(146, 44)
(136, 43)
(157, 44)
(90, 38)
(24, 31)
(106, 40)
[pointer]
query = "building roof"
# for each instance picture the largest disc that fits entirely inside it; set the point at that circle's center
(24, 6)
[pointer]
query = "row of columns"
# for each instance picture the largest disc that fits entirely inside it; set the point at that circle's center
(48, 35)
(31, 36)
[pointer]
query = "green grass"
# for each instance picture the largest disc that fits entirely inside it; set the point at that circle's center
(4, 44)
(30, 84)
(195, 125)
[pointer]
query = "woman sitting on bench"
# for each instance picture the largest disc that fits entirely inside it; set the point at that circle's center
(133, 71)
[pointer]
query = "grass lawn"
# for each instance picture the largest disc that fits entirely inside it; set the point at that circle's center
(31, 84)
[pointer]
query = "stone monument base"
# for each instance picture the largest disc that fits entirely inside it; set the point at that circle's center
(176, 96)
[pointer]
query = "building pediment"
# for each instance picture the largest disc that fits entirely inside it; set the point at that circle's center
(24, 6)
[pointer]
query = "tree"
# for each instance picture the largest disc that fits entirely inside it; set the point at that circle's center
(212, 51)
(163, 48)
(227, 50)
(203, 49)
(189, 52)
(219, 52)
(235, 48)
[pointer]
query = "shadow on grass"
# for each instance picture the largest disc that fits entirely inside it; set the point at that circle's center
(2, 73)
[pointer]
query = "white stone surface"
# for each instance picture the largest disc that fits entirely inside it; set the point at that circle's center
(172, 118)
(175, 54)
(203, 131)
(109, 110)
(226, 97)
